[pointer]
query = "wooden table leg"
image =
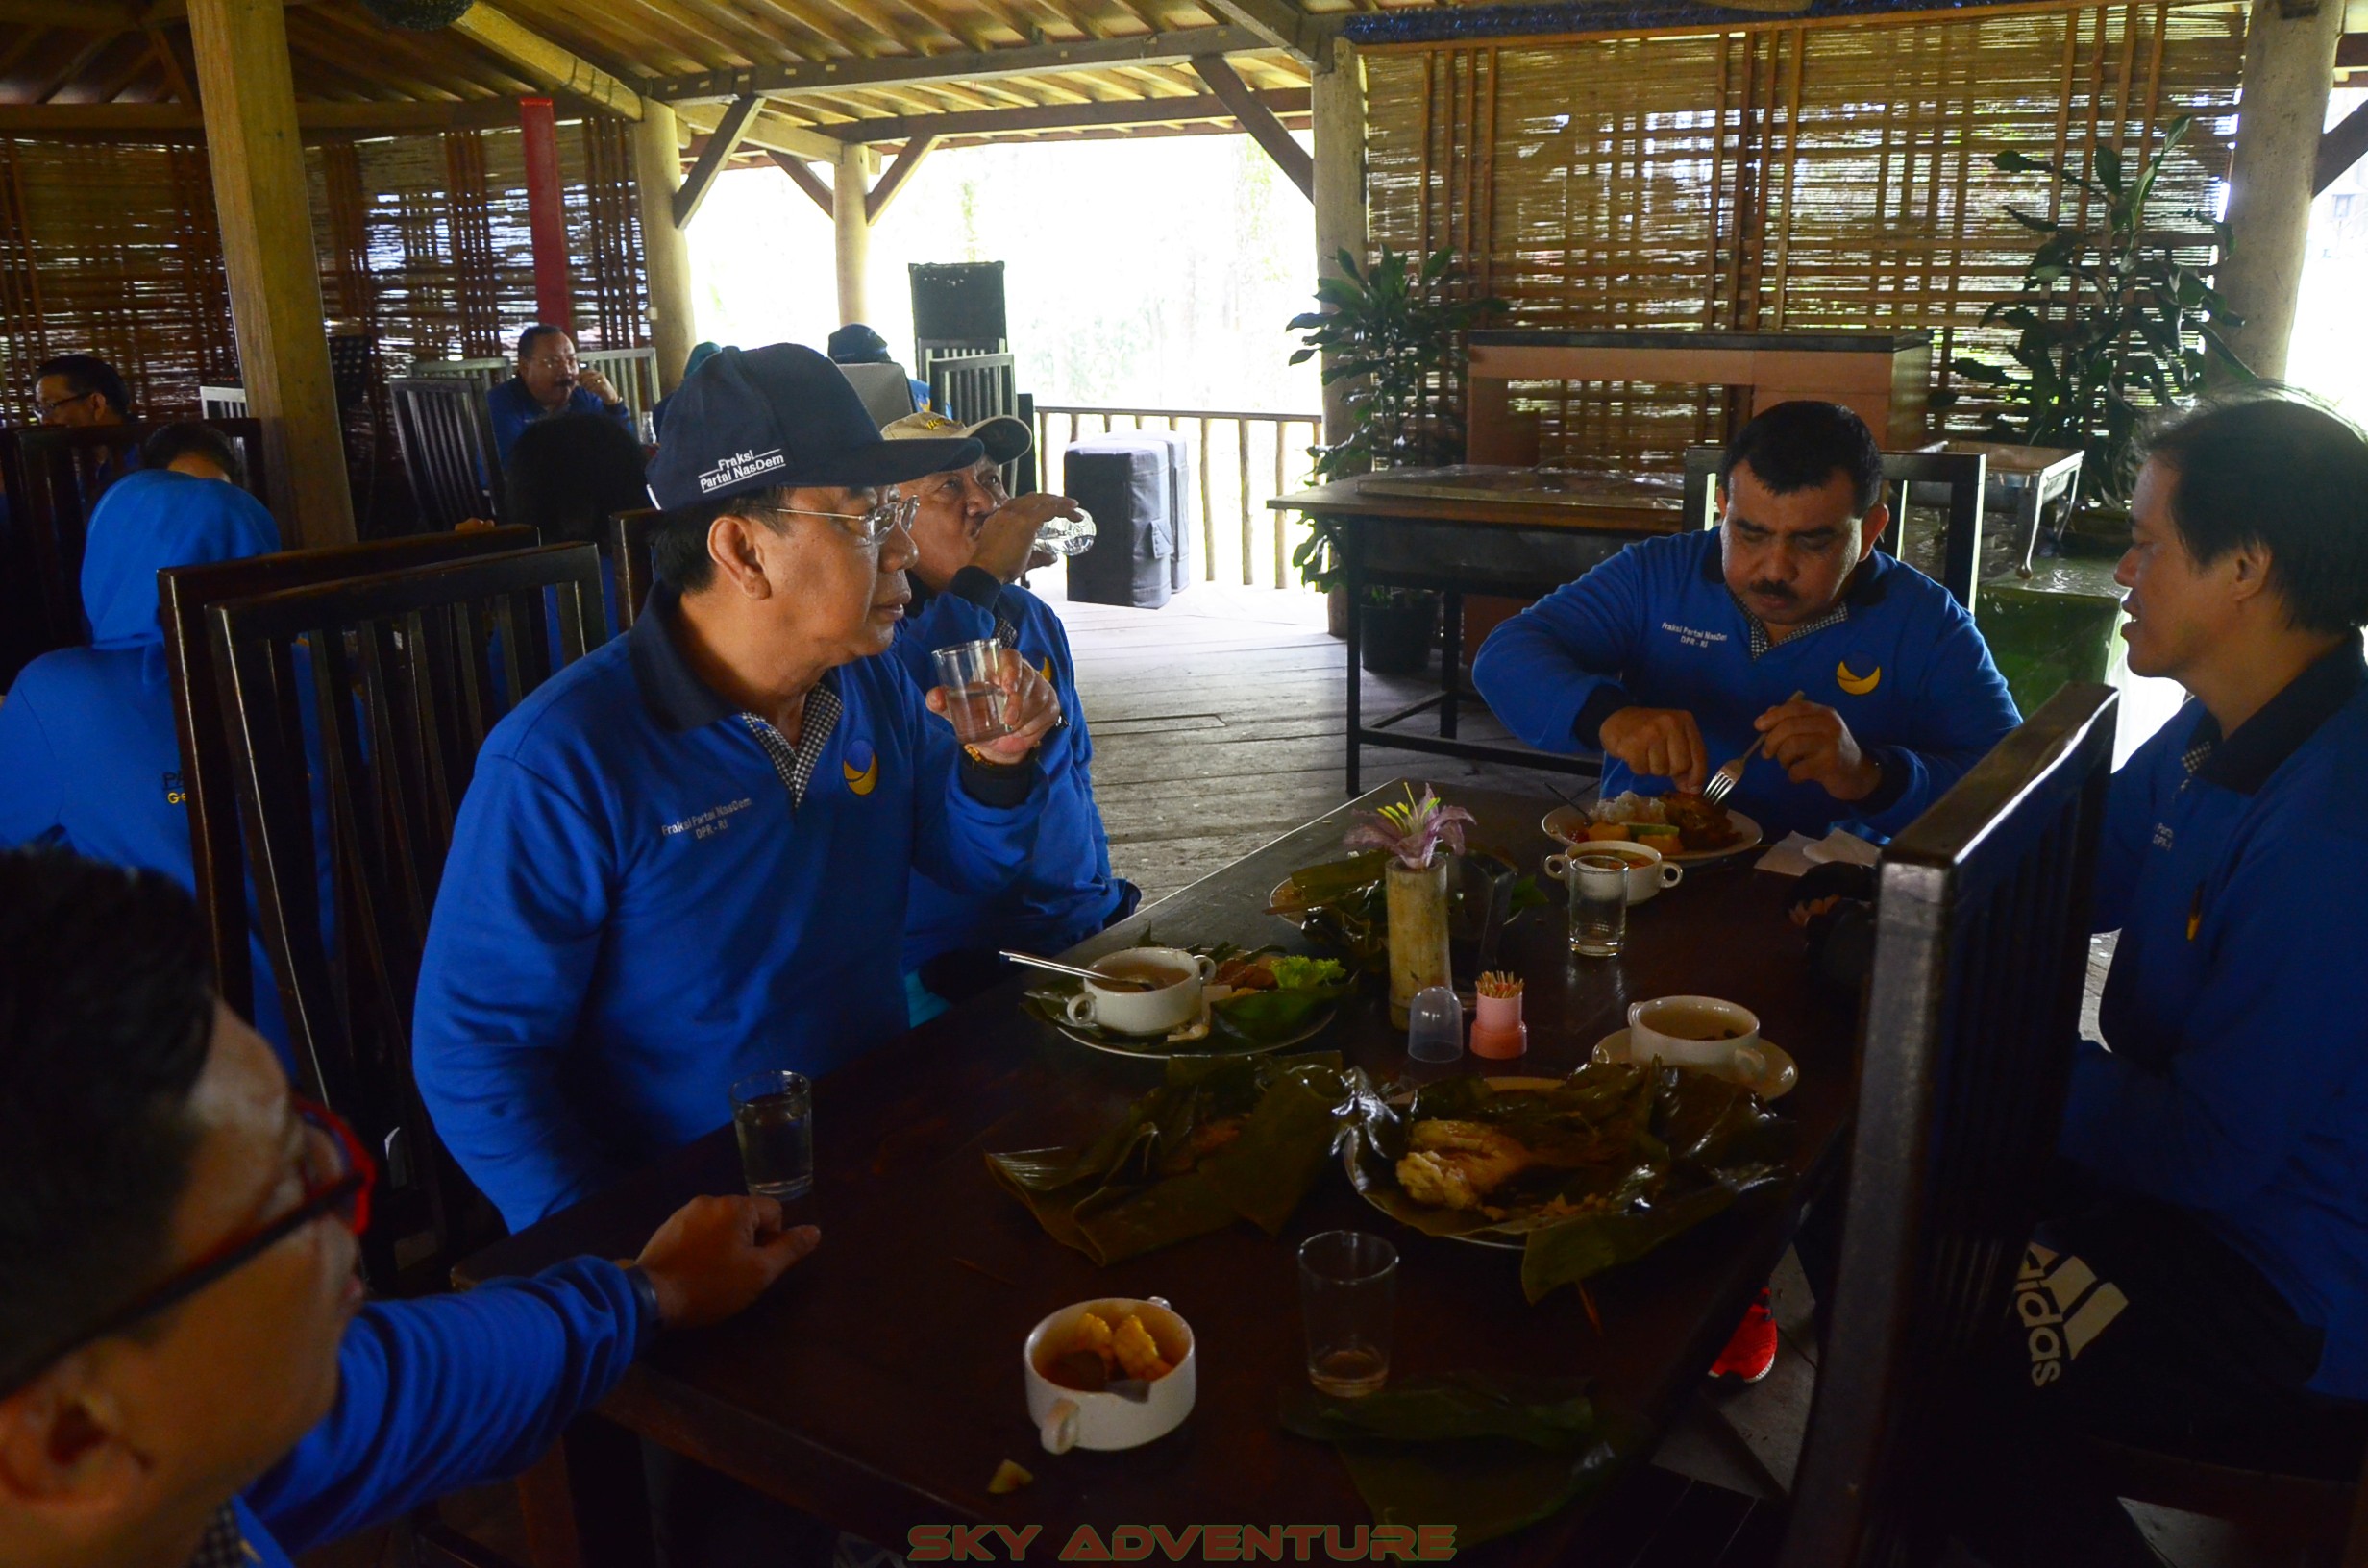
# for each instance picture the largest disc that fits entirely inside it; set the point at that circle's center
(1450, 656)
(1352, 581)
(586, 1501)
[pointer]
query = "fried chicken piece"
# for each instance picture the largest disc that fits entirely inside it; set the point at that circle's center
(1454, 1164)
(1138, 1352)
(1700, 824)
(1244, 974)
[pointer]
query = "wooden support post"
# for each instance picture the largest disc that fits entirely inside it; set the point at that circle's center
(808, 181)
(853, 226)
(666, 256)
(264, 210)
(1259, 121)
(1340, 189)
(875, 201)
(539, 136)
(2289, 67)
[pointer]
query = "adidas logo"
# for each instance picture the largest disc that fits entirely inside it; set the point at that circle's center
(2063, 1307)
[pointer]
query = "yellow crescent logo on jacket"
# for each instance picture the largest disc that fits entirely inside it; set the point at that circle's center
(1046, 670)
(860, 767)
(1856, 685)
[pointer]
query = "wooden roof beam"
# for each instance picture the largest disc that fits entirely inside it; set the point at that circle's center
(311, 118)
(722, 143)
(806, 180)
(2340, 146)
(1063, 116)
(1280, 24)
(100, 16)
(884, 190)
(1170, 48)
(547, 64)
(1260, 122)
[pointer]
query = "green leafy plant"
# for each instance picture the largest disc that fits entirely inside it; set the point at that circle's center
(1395, 332)
(2110, 324)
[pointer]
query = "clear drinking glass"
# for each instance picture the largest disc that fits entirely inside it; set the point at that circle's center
(1069, 535)
(773, 1113)
(1349, 1292)
(1598, 904)
(971, 674)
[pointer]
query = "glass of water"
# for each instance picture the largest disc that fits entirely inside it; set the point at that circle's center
(773, 1113)
(1069, 535)
(1349, 1292)
(1598, 886)
(972, 675)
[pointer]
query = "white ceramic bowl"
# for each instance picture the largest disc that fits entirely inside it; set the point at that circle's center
(1133, 1012)
(1648, 872)
(1068, 1418)
(1740, 1049)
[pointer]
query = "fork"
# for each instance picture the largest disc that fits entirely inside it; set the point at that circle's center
(1721, 783)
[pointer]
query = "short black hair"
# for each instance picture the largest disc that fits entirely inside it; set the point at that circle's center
(2275, 468)
(678, 545)
(566, 475)
(535, 334)
(184, 436)
(87, 373)
(106, 1020)
(1800, 445)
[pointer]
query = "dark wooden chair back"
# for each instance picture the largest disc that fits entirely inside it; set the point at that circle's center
(445, 433)
(184, 594)
(1981, 952)
(1963, 474)
(402, 675)
(628, 553)
(54, 478)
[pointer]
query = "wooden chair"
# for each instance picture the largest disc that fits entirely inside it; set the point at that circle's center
(1962, 472)
(445, 433)
(403, 689)
(1981, 950)
(54, 478)
(485, 374)
(184, 594)
(629, 553)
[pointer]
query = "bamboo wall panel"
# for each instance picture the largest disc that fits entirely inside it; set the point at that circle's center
(113, 250)
(1780, 176)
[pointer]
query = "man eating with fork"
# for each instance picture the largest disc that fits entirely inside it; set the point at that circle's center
(1675, 655)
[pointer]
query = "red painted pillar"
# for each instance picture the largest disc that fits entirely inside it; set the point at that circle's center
(546, 213)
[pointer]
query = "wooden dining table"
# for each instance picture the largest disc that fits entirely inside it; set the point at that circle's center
(878, 1386)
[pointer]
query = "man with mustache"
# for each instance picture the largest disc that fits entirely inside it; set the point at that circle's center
(1679, 652)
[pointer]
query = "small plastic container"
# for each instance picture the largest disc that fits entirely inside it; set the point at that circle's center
(1433, 1025)
(1498, 1031)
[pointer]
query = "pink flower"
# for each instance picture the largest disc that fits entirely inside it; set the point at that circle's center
(1413, 831)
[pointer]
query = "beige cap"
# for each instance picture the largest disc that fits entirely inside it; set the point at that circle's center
(1003, 436)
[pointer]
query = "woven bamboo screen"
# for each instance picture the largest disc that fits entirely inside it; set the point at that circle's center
(113, 250)
(1778, 177)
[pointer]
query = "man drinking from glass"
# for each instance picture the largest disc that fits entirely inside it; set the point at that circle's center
(550, 381)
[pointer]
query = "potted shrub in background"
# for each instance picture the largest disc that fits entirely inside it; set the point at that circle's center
(1415, 882)
(1396, 332)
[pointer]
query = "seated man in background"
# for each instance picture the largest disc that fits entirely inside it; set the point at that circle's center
(89, 749)
(856, 344)
(80, 390)
(971, 542)
(2202, 1288)
(548, 381)
(566, 476)
(187, 1373)
(1679, 652)
(199, 450)
(685, 857)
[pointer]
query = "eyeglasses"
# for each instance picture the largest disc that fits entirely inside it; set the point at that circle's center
(53, 404)
(873, 526)
(338, 1179)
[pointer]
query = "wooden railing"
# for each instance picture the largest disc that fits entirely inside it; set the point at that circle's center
(1230, 458)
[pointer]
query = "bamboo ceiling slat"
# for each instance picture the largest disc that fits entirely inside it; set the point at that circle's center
(1777, 176)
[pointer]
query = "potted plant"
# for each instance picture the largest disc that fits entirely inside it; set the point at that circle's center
(1396, 332)
(2111, 326)
(1414, 884)
(1400, 625)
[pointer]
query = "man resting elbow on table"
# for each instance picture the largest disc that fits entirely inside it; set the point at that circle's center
(971, 542)
(1676, 654)
(685, 857)
(187, 1373)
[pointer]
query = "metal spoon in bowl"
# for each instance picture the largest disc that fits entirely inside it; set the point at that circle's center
(1113, 982)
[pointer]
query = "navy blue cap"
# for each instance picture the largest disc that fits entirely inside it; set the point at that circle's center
(780, 415)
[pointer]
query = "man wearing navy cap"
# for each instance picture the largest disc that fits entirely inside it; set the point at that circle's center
(685, 858)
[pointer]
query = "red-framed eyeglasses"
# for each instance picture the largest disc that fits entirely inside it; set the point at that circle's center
(339, 1178)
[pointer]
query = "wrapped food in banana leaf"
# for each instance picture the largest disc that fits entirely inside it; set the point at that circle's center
(1223, 1138)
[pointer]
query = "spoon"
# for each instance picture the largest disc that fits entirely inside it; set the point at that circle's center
(1108, 982)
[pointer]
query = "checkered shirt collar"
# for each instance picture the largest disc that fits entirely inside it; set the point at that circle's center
(224, 1545)
(1762, 641)
(795, 764)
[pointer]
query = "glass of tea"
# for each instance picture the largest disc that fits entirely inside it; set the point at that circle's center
(1349, 1293)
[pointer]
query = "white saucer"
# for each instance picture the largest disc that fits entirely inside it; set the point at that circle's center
(1782, 1074)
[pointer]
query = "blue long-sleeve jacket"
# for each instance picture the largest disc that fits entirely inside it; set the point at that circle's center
(2236, 1086)
(633, 914)
(1067, 893)
(513, 408)
(451, 1392)
(1656, 626)
(90, 756)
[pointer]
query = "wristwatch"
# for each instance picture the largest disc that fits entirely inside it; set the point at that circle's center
(982, 759)
(645, 1291)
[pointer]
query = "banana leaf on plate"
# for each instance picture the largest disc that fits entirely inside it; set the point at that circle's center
(1465, 1451)
(1224, 1139)
(1586, 1174)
